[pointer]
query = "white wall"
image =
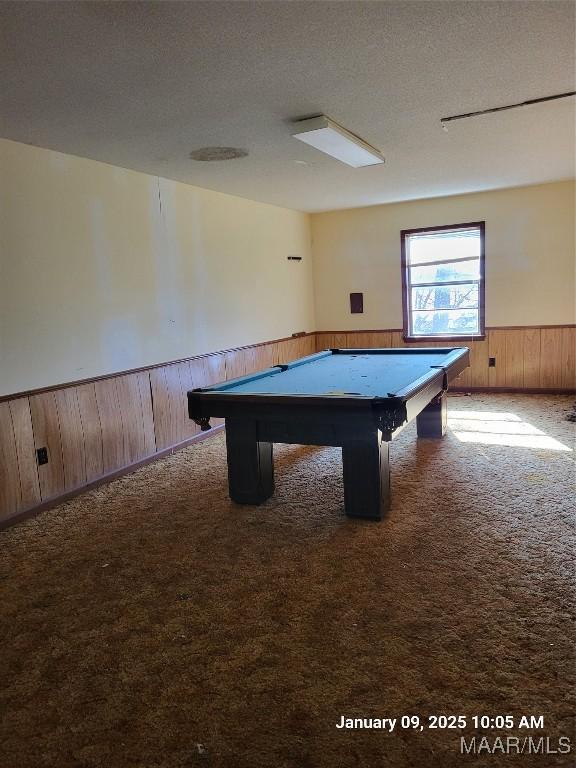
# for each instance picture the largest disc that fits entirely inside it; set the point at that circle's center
(104, 269)
(530, 257)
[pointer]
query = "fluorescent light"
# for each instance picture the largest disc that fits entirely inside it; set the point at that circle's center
(329, 137)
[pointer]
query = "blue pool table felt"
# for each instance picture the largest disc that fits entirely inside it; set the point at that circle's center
(365, 375)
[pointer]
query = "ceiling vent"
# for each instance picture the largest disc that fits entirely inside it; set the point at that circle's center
(212, 154)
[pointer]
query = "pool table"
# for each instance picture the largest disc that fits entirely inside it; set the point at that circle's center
(358, 399)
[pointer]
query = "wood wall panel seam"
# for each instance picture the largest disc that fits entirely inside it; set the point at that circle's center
(47, 433)
(71, 437)
(11, 487)
(13, 435)
(15, 441)
(160, 406)
(139, 429)
(145, 412)
(83, 436)
(108, 409)
(188, 427)
(91, 430)
(60, 440)
(25, 453)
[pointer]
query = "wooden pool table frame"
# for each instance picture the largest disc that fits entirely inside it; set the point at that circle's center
(362, 426)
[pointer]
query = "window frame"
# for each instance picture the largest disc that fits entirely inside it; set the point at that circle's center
(406, 285)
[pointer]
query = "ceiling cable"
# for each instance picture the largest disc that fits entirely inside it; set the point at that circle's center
(444, 120)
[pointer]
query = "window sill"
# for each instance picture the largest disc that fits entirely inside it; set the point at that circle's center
(422, 339)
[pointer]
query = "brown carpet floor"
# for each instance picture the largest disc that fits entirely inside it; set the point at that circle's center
(151, 616)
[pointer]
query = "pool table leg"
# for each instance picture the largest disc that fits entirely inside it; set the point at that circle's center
(250, 463)
(433, 420)
(366, 465)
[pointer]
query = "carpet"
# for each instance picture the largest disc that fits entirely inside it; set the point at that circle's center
(152, 623)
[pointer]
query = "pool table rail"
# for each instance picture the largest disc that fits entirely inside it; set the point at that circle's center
(389, 412)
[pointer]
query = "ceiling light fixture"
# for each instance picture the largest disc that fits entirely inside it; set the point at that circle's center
(324, 134)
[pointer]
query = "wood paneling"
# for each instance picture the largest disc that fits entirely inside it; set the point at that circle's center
(497, 350)
(529, 358)
(169, 387)
(44, 410)
(67, 423)
(353, 340)
(170, 383)
(165, 384)
(550, 358)
(25, 453)
(568, 358)
(136, 413)
(369, 339)
(265, 356)
(253, 359)
(10, 494)
(96, 428)
(478, 363)
(514, 357)
(19, 486)
(110, 424)
(126, 420)
(292, 349)
(203, 372)
(91, 431)
(235, 363)
(71, 438)
(208, 370)
(186, 427)
(334, 340)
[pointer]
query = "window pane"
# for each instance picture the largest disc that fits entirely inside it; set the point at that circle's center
(445, 297)
(445, 321)
(441, 273)
(443, 245)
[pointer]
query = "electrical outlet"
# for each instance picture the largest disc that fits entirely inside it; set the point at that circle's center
(491, 362)
(42, 454)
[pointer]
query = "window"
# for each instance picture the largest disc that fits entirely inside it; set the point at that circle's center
(443, 281)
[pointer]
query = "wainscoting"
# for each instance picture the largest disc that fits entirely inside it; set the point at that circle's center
(96, 430)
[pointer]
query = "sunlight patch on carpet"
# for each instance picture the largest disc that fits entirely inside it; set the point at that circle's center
(505, 429)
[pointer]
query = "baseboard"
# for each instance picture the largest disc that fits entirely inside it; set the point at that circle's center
(31, 512)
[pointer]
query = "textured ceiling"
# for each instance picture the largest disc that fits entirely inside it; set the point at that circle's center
(141, 85)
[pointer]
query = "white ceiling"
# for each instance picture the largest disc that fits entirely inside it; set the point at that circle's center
(141, 84)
